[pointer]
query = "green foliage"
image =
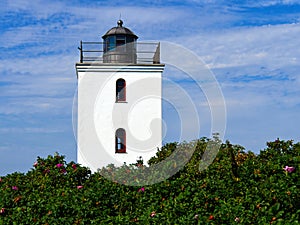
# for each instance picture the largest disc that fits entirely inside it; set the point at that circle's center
(237, 188)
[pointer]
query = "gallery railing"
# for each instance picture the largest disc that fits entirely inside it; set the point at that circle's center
(134, 53)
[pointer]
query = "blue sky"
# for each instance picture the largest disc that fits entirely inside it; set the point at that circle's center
(252, 48)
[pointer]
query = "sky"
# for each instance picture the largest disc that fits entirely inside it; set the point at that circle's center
(251, 48)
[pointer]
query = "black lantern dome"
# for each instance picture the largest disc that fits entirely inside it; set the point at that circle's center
(119, 45)
(119, 30)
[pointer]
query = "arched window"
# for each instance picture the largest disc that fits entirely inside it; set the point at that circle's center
(120, 90)
(120, 141)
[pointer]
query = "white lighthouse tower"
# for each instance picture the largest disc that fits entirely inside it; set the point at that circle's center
(119, 100)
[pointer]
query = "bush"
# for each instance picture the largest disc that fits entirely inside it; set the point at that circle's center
(237, 188)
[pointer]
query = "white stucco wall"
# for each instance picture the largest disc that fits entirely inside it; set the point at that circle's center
(99, 116)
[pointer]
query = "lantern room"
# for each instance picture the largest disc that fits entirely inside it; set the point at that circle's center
(119, 45)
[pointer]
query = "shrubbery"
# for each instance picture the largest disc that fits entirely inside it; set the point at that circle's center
(237, 188)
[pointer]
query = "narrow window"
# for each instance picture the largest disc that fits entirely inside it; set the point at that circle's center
(120, 90)
(120, 142)
(120, 44)
(120, 40)
(111, 43)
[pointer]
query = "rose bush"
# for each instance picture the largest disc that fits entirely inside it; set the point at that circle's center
(237, 188)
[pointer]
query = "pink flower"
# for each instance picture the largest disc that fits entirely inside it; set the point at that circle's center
(2, 210)
(35, 164)
(141, 189)
(289, 169)
(79, 187)
(63, 171)
(153, 214)
(15, 188)
(59, 165)
(237, 219)
(74, 166)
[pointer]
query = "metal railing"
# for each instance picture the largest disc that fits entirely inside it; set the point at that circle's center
(144, 52)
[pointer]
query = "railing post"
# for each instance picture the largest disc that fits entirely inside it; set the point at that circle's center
(81, 52)
(156, 57)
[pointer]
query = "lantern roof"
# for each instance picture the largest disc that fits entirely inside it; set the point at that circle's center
(119, 30)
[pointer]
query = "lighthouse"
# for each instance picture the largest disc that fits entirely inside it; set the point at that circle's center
(119, 99)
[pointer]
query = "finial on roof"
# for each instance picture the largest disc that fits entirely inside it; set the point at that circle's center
(120, 23)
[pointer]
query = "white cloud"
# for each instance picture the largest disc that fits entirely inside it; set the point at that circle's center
(27, 130)
(48, 66)
(266, 3)
(255, 65)
(37, 105)
(266, 46)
